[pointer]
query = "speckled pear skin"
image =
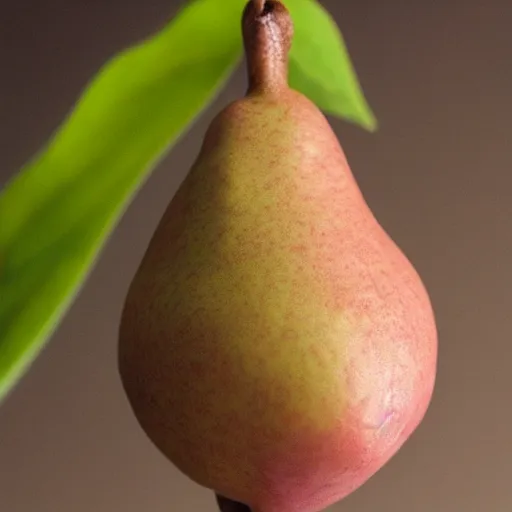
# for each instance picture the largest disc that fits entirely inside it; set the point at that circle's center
(275, 343)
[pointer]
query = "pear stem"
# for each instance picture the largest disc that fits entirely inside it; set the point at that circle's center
(226, 505)
(259, 5)
(267, 32)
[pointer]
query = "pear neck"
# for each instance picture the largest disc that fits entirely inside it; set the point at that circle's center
(267, 32)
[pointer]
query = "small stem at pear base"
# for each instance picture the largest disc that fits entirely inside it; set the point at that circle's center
(226, 505)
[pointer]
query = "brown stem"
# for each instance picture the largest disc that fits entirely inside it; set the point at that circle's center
(226, 505)
(259, 5)
(267, 31)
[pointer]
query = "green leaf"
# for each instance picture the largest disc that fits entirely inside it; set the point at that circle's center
(57, 213)
(320, 66)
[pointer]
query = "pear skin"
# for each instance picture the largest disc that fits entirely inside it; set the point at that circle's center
(275, 344)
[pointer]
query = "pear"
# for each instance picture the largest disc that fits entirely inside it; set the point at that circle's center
(275, 344)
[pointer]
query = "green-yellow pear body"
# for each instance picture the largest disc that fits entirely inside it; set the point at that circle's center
(275, 343)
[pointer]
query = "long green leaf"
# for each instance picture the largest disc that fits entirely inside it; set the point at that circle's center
(320, 65)
(57, 213)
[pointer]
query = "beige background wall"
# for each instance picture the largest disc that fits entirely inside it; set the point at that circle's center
(439, 177)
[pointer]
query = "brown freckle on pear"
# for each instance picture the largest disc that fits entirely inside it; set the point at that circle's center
(273, 324)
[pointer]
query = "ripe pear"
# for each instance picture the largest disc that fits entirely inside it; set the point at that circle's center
(275, 344)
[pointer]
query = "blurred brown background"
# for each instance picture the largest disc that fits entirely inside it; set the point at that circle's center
(438, 175)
